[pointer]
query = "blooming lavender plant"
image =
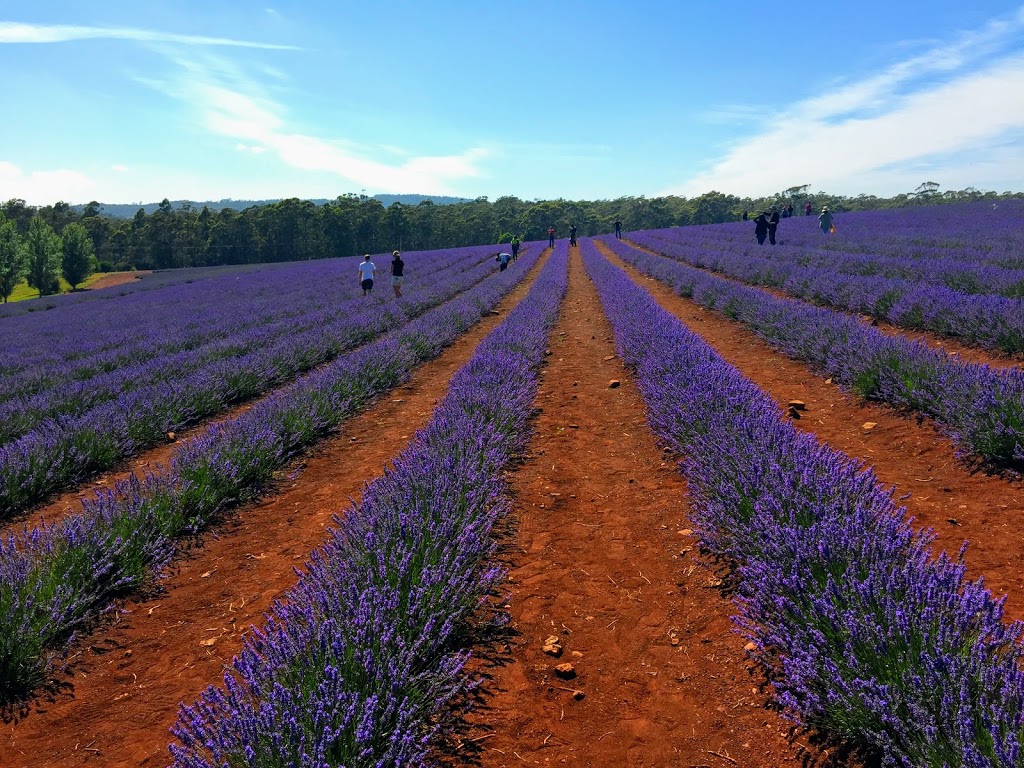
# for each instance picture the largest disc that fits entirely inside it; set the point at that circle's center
(357, 665)
(867, 635)
(53, 578)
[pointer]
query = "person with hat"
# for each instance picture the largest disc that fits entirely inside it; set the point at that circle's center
(825, 221)
(761, 227)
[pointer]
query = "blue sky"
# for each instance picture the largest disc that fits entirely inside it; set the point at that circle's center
(127, 102)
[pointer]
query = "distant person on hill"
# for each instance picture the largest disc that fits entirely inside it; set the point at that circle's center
(397, 273)
(761, 227)
(515, 247)
(773, 224)
(366, 271)
(572, 234)
(745, 216)
(551, 237)
(789, 211)
(808, 209)
(825, 221)
(503, 260)
(618, 230)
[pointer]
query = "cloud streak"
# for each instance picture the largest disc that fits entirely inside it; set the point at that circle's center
(16, 32)
(234, 108)
(942, 109)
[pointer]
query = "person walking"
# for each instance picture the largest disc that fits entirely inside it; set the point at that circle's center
(761, 227)
(515, 247)
(618, 230)
(745, 216)
(366, 271)
(808, 209)
(572, 234)
(503, 260)
(773, 224)
(825, 221)
(551, 237)
(397, 273)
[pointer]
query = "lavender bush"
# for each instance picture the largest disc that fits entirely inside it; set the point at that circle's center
(359, 663)
(867, 635)
(53, 578)
(982, 408)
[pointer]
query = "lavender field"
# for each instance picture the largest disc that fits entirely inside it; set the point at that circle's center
(340, 572)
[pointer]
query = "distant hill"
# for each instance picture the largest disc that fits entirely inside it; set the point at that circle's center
(128, 210)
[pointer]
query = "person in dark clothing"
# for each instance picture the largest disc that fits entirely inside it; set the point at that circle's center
(808, 209)
(618, 230)
(773, 224)
(397, 273)
(572, 234)
(745, 216)
(551, 237)
(761, 227)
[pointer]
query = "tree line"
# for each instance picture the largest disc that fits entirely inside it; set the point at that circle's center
(41, 243)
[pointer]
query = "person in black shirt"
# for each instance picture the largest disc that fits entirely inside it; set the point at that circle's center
(773, 224)
(618, 230)
(572, 234)
(397, 273)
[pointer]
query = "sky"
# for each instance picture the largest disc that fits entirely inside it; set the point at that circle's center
(128, 102)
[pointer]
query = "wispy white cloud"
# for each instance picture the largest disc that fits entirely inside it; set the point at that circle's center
(17, 32)
(225, 103)
(948, 105)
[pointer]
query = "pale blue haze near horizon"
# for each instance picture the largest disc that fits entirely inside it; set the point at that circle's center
(133, 102)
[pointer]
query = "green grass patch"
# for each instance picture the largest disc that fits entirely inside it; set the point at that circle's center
(22, 291)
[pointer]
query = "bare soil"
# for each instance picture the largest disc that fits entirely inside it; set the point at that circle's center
(117, 278)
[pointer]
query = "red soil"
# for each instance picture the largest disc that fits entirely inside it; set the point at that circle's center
(117, 278)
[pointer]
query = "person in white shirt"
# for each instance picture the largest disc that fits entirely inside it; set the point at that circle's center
(366, 271)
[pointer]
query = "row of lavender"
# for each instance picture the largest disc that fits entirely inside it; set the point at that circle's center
(53, 578)
(991, 321)
(971, 248)
(58, 453)
(866, 635)
(369, 646)
(981, 407)
(80, 359)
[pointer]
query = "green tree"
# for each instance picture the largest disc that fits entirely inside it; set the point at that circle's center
(12, 258)
(79, 258)
(43, 253)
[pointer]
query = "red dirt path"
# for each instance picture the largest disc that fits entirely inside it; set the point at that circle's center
(917, 459)
(600, 560)
(117, 278)
(130, 675)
